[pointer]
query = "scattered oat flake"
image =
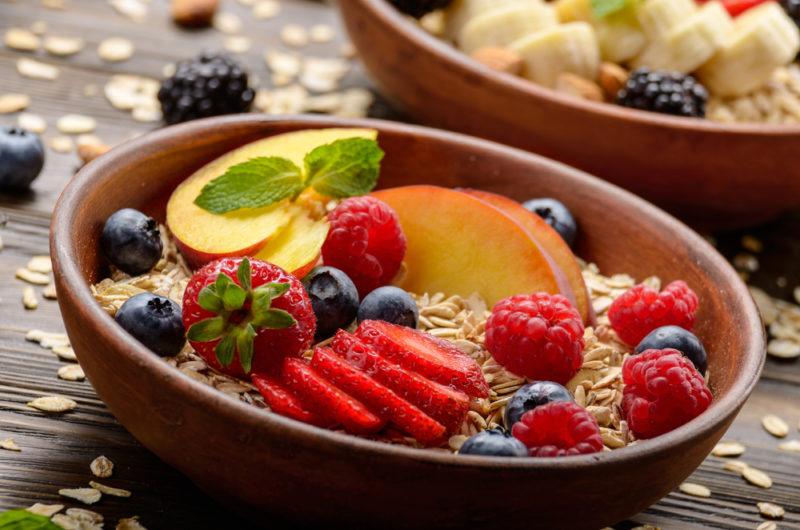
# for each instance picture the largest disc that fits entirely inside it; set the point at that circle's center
(102, 467)
(41, 264)
(29, 300)
(32, 122)
(9, 445)
(294, 35)
(773, 511)
(36, 278)
(792, 446)
(65, 353)
(45, 510)
(135, 10)
(767, 525)
(54, 4)
(13, 103)
(62, 144)
(728, 449)
(130, 523)
(36, 69)
(76, 124)
(226, 22)
(39, 27)
(735, 466)
(784, 348)
(71, 372)
(37, 335)
(53, 404)
(115, 49)
(84, 495)
(85, 516)
(237, 44)
(757, 477)
(695, 490)
(21, 39)
(62, 46)
(108, 490)
(264, 9)
(146, 114)
(775, 426)
(322, 33)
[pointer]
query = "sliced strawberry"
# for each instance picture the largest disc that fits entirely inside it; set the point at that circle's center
(377, 397)
(447, 406)
(327, 400)
(282, 401)
(433, 358)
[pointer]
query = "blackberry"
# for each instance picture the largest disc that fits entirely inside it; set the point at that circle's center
(664, 92)
(419, 8)
(209, 85)
(792, 8)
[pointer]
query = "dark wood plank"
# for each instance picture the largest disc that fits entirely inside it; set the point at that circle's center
(57, 449)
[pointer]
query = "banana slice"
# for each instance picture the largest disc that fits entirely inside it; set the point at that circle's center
(502, 26)
(460, 12)
(548, 53)
(619, 40)
(574, 10)
(691, 43)
(763, 39)
(657, 17)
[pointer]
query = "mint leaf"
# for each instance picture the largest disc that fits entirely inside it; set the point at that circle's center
(258, 182)
(603, 8)
(344, 168)
(25, 520)
(206, 330)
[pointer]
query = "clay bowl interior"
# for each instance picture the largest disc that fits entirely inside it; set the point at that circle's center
(711, 174)
(260, 463)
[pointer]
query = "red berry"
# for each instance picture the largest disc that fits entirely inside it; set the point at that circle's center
(559, 428)
(642, 309)
(444, 404)
(365, 241)
(663, 390)
(327, 400)
(281, 324)
(539, 336)
(282, 401)
(425, 354)
(380, 400)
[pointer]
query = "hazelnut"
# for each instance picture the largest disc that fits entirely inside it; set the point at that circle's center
(578, 86)
(193, 13)
(499, 59)
(612, 77)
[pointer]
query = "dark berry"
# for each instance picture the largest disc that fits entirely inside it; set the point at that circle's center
(208, 85)
(531, 396)
(792, 8)
(131, 241)
(154, 321)
(495, 442)
(390, 304)
(677, 338)
(419, 8)
(665, 92)
(556, 215)
(21, 158)
(334, 298)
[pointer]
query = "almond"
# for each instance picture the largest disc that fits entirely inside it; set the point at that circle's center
(612, 77)
(499, 59)
(578, 86)
(89, 152)
(193, 13)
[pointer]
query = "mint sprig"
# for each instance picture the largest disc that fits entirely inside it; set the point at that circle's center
(25, 520)
(344, 168)
(239, 312)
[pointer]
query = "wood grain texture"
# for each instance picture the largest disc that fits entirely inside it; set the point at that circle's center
(57, 449)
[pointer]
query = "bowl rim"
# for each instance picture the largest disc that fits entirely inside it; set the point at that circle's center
(444, 51)
(68, 273)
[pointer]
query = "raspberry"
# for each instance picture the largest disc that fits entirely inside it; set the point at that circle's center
(642, 309)
(539, 336)
(559, 428)
(663, 390)
(365, 241)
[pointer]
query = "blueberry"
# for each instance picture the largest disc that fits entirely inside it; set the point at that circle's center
(531, 396)
(679, 339)
(334, 298)
(556, 215)
(131, 241)
(390, 304)
(154, 321)
(495, 442)
(21, 158)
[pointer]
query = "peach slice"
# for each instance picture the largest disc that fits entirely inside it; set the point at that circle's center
(297, 247)
(458, 244)
(203, 236)
(550, 241)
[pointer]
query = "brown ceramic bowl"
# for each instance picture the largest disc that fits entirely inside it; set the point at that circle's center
(261, 463)
(710, 173)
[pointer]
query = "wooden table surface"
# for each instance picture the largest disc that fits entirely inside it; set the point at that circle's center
(57, 450)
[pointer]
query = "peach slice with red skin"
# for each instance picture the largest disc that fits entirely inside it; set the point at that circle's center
(551, 243)
(296, 249)
(458, 244)
(203, 236)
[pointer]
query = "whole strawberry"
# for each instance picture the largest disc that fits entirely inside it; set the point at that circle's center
(642, 309)
(245, 316)
(539, 336)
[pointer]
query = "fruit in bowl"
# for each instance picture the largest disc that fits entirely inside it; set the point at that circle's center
(434, 317)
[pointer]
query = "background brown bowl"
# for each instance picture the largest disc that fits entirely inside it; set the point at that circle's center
(261, 463)
(713, 174)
